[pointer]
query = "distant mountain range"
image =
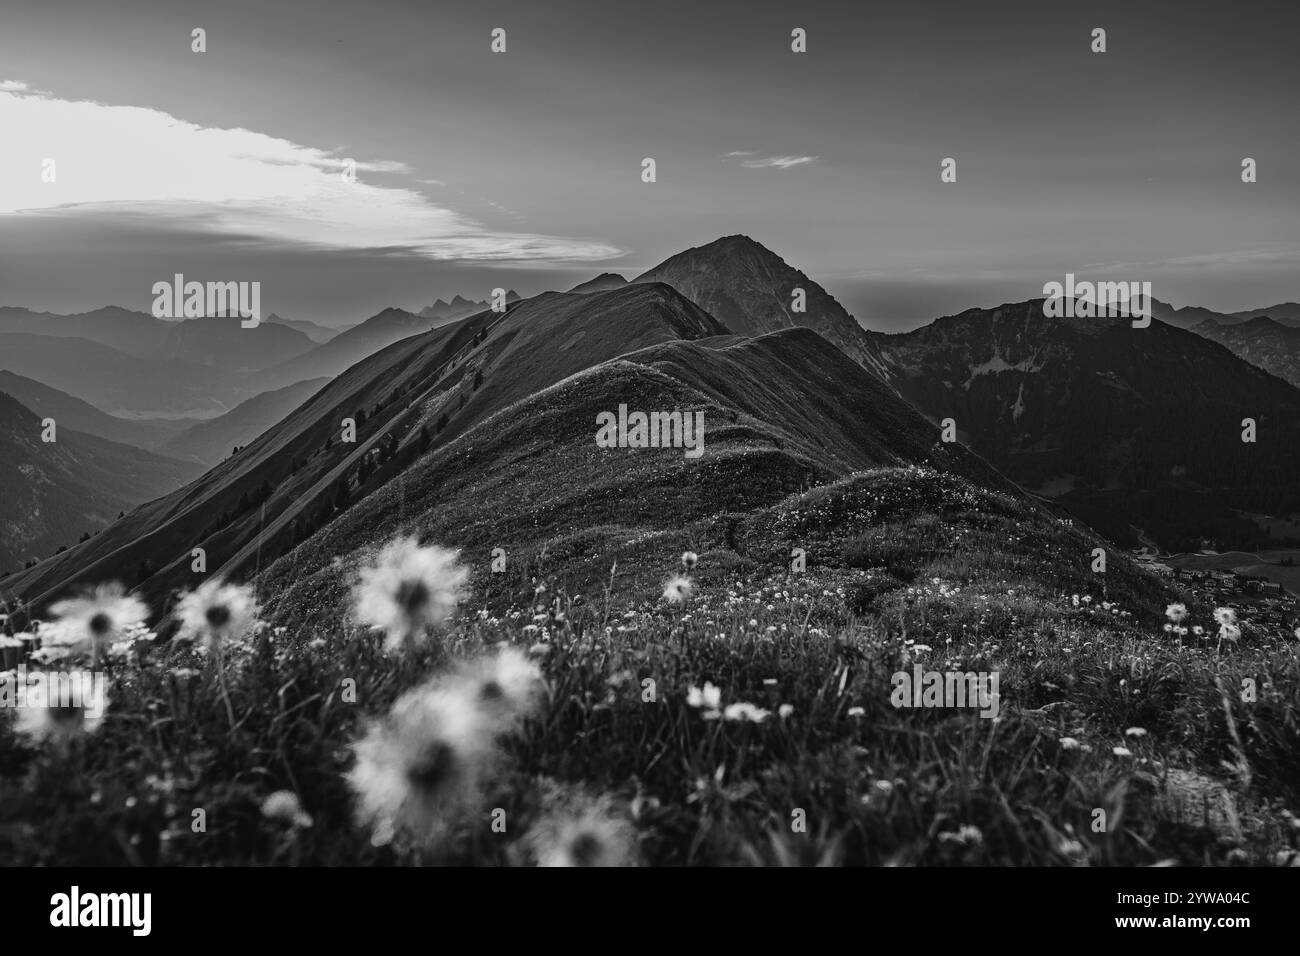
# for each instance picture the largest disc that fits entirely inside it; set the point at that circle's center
(441, 313)
(320, 334)
(1136, 431)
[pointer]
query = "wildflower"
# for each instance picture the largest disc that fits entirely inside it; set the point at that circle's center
(217, 612)
(579, 829)
(67, 703)
(678, 589)
(1121, 751)
(1225, 615)
(1136, 732)
(1229, 632)
(422, 765)
(857, 711)
(409, 589)
(1197, 630)
(1068, 743)
(709, 699)
(743, 711)
(283, 805)
(1176, 612)
(90, 623)
(785, 710)
(966, 835)
(689, 560)
(507, 683)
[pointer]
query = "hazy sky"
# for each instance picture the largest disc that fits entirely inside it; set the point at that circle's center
(523, 169)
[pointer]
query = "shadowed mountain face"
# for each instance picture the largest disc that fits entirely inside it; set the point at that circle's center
(51, 493)
(1129, 426)
(1261, 341)
(750, 290)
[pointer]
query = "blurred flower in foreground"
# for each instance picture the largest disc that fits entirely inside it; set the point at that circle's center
(88, 624)
(578, 829)
(409, 589)
(420, 767)
(283, 805)
(678, 589)
(217, 613)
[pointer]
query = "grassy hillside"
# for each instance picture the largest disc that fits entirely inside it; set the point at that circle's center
(1099, 711)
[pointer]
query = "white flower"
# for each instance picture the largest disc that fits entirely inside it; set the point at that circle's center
(90, 623)
(1136, 732)
(409, 589)
(678, 589)
(689, 559)
(283, 805)
(710, 697)
(1225, 615)
(744, 711)
(1229, 632)
(1121, 751)
(578, 829)
(785, 710)
(68, 706)
(217, 612)
(507, 683)
(1068, 743)
(857, 711)
(422, 766)
(1176, 612)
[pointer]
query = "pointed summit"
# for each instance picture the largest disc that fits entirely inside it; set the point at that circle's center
(752, 290)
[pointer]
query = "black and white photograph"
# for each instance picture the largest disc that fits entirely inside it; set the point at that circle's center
(711, 434)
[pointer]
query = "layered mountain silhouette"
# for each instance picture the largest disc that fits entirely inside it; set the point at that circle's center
(481, 431)
(119, 383)
(216, 341)
(71, 412)
(51, 493)
(320, 334)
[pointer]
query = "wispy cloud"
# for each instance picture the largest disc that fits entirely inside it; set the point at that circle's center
(134, 163)
(778, 162)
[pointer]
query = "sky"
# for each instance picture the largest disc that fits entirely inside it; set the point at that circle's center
(523, 169)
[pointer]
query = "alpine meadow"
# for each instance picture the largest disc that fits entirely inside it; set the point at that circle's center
(642, 546)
